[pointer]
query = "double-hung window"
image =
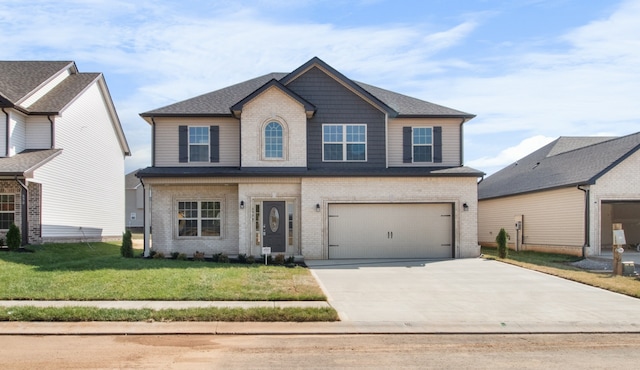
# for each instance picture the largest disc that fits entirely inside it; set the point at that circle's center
(199, 218)
(198, 144)
(422, 144)
(7, 210)
(344, 142)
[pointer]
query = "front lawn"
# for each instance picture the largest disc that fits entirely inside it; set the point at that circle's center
(559, 265)
(96, 271)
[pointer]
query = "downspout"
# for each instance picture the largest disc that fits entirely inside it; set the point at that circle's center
(587, 219)
(153, 144)
(6, 136)
(24, 204)
(53, 132)
(461, 142)
(145, 247)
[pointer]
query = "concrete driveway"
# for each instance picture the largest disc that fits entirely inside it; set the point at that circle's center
(469, 295)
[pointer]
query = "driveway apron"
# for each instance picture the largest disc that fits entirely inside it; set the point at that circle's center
(472, 293)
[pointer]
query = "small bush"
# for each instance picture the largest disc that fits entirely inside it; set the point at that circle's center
(223, 258)
(181, 257)
(290, 260)
(2, 244)
(501, 240)
(278, 259)
(159, 255)
(13, 237)
(198, 256)
(126, 250)
(174, 255)
(251, 260)
(242, 258)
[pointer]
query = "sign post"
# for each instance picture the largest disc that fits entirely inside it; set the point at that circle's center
(266, 251)
(618, 248)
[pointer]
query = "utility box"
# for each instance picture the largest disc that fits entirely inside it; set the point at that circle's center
(628, 268)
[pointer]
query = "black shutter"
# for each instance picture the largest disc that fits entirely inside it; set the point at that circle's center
(214, 143)
(437, 144)
(183, 144)
(407, 151)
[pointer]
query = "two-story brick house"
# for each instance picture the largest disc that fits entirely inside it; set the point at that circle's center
(62, 152)
(311, 164)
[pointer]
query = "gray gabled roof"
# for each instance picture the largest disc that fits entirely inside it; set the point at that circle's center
(60, 96)
(131, 181)
(26, 161)
(567, 161)
(219, 102)
(18, 79)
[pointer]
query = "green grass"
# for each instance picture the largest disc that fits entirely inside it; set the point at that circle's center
(76, 314)
(558, 265)
(98, 272)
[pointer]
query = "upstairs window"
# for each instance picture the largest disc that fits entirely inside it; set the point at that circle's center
(344, 142)
(7, 210)
(422, 143)
(198, 144)
(273, 140)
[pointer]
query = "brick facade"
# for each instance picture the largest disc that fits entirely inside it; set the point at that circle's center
(33, 210)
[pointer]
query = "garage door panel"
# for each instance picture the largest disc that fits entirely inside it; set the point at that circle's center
(390, 230)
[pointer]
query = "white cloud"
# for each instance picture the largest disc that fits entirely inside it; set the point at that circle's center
(510, 154)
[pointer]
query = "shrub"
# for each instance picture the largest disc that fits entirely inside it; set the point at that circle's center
(223, 258)
(501, 240)
(2, 242)
(242, 258)
(126, 250)
(278, 259)
(174, 255)
(251, 260)
(181, 257)
(158, 255)
(13, 237)
(198, 256)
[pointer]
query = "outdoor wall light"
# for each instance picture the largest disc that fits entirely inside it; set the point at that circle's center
(242, 204)
(465, 207)
(318, 207)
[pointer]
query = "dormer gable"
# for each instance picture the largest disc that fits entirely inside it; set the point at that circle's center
(309, 108)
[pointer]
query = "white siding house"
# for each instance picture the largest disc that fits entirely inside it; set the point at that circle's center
(65, 141)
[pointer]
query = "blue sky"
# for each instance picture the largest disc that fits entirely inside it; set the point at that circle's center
(531, 70)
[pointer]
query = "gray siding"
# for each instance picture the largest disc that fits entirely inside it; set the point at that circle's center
(337, 104)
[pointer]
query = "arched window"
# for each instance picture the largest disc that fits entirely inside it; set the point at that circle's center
(273, 140)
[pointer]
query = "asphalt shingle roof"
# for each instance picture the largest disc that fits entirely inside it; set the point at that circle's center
(567, 161)
(26, 161)
(218, 103)
(19, 78)
(60, 96)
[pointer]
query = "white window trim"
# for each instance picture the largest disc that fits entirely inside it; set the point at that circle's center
(413, 128)
(285, 140)
(207, 159)
(199, 201)
(345, 142)
(14, 208)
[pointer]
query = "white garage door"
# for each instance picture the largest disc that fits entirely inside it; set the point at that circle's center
(390, 230)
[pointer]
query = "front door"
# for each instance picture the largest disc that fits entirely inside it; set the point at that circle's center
(274, 221)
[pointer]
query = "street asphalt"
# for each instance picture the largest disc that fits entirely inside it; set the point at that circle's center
(399, 296)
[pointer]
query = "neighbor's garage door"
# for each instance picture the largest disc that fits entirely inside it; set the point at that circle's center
(390, 230)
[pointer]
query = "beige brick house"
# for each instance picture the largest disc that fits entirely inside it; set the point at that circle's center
(310, 164)
(565, 196)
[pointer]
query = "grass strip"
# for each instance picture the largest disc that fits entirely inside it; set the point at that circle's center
(256, 314)
(559, 265)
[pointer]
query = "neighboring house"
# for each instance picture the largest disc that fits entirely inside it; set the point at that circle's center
(566, 196)
(310, 164)
(62, 153)
(134, 201)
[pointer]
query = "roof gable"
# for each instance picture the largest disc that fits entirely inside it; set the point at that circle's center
(555, 166)
(309, 108)
(218, 103)
(19, 79)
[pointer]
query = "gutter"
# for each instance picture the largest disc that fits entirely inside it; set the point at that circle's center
(153, 142)
(24, 204)
(6, 154)
(461, 140)
(145, 249)
(587, 219)
(53, 132)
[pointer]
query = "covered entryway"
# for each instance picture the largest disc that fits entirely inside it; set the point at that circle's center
(391, 230)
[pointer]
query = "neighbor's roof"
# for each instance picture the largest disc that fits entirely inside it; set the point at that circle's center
(567, 161)
(131, 181)
(26, 161)
(218, 103)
